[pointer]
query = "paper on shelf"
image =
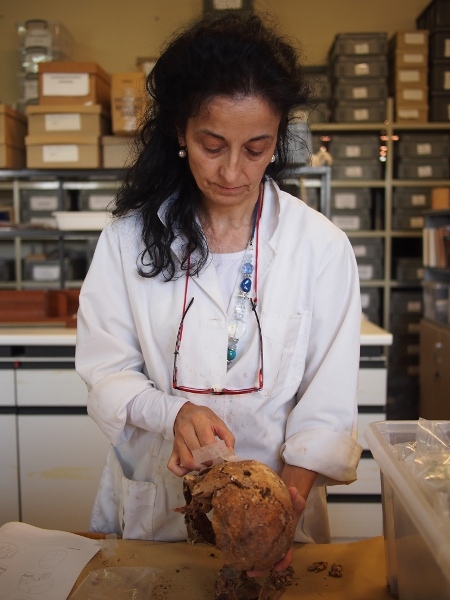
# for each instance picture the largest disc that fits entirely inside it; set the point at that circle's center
(41, 563)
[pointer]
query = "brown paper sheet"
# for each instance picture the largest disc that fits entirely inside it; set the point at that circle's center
(190, 570)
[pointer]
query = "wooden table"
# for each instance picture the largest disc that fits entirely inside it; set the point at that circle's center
(189, 571)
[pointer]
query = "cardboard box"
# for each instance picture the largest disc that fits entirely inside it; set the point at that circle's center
(405, 57)
(404, 77)
(416, 39)
(117, 151)
(411, 114)
(12, 157)
(416, 533)
(145, 64)
(70, 118)
(440, 198)
(13, 127)
(63, 151)
(129, 101)
(67, 82)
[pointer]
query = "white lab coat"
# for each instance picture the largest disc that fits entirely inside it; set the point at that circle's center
(310, 314)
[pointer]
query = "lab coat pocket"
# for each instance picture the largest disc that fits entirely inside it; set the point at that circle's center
(285, 338)
(137, 509)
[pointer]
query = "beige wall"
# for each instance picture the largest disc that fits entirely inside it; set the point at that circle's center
(114, 32)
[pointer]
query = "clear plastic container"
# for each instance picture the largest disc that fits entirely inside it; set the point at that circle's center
(417, 537)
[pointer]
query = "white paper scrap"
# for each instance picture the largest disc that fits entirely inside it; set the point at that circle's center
(41, 563)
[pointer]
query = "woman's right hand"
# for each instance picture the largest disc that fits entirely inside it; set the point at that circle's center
(195, 427)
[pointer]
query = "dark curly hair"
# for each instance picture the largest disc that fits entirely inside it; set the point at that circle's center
(230, 56)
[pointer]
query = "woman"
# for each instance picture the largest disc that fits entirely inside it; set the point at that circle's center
(216, 305)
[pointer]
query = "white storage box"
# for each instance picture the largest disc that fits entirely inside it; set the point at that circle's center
(82, 220)
(417, 536)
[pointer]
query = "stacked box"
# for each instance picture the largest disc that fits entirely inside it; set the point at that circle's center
(358, 72)
(351, 208)
(408, 75)
(370, 304)
(129, 101)
(421, 156)
(369, 258)
(406, 308)
(318, 82)
(13, 129)
(39, 41)
(73, 114)
(38, 205)
(436, 18)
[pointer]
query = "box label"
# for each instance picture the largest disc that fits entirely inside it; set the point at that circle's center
(408, 75)
(346, 222)
(361, 114)
(100, 201)
(39, 37)
(447, 80)
(424, 170)
(408, 113)
(62, 122)
(447, 48)
(45, 272)
(414, 306)
(424, 148)
(365, 272)
(353, 171)
(361, 48)
(416, 222)
(353, 151)
(65, 84)
(60, 153)
(360, 93)
(362, 69)
(44, 203)
(418, 200)
(414, 39)
(414, 59)
(227, 4)
(414, 95)
(345, 200)
(360, 250)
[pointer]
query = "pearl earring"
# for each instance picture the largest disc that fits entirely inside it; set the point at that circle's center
(272, 160)
(182, 153)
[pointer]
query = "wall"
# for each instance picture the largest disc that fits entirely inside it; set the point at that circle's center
(114, 32)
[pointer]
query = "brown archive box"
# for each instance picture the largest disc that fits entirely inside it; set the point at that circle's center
(117, 151)
(56, 151)
(129, 101)
(13, 129)
(70, 119)
(67, 82)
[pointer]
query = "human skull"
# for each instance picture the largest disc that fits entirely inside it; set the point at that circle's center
(252, 519)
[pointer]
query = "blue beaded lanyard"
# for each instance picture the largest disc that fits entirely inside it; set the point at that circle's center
(236, 326)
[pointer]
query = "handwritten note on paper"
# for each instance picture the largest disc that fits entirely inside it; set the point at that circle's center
(41, 563)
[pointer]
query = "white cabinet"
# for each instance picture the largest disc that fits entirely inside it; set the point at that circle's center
(61, 460)
(9, 487)
(51, 452)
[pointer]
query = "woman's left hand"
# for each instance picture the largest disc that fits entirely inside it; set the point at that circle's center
(299, 482)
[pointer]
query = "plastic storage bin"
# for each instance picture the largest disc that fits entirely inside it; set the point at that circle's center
(360, 111)
(439, 106)
(351, 198)
(412, 197)
(355, 146)
(417, 537)
(359, 43)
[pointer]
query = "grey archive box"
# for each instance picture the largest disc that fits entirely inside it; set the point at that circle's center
(367, 248)
(351, 198)
(351, 220)
(357, 169)
(355, 146)
(359, 111)
(439, 106)
(359, 44)
(407, 219)
(423, 168)
(419, 145)
(435, 14)
(439, 47)
(7, 269)
(412, 198)
(369, 268)
(360, 89)
(439, 76)
(96, 199)
(408, 303)
(408, 269)
(359, 67)
(37, 206)
(405, 324)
